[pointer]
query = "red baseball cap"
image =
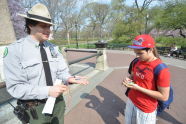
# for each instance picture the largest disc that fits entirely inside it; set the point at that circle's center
(143, 41)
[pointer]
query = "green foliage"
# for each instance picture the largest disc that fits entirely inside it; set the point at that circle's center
(86, 46)
(173, 15)
(156, 14)
(58, 42)
(119, 30)
(124, 31)
(122, 40)
(65, 42)
(168, 41)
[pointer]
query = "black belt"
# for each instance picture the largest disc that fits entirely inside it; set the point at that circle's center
(32, 102)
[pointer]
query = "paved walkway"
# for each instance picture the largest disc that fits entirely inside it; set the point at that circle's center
(106, 103)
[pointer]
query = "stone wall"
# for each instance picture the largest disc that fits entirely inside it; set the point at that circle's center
(7, 34)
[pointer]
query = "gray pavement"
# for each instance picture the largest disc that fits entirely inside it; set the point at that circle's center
(106, 103)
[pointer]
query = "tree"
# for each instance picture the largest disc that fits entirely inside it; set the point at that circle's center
(129, 25)
(102, 15)
(144, 6)
(18, 22)
(118, 10)
(27, 4)
(97, 14)
(66, 12)
(141, 11)
(54, 9)
(174, 16)
(90, 17)
(78, 21)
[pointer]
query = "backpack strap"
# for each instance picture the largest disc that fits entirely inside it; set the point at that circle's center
(134, 61)
(158, 69)
(163, 104)
(132, 65)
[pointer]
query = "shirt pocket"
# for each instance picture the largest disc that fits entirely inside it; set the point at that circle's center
(32, 68)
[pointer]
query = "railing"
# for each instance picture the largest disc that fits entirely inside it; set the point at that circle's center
(81, 50)
(81, 59)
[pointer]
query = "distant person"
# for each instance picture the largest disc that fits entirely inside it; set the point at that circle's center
(173, 50)
(32, 65)
(141, 107)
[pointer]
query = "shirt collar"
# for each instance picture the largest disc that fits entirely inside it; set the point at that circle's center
(36, 43)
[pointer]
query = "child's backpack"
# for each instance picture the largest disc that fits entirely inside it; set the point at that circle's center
(162, 105)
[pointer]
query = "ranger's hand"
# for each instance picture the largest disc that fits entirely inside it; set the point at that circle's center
(78, 80)
(57, 90)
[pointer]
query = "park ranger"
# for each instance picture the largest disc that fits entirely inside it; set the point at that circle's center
(31, 66)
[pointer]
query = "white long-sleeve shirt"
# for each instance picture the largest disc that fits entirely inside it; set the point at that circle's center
(24, 72)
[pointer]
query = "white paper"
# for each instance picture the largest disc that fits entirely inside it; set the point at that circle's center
(49, 105)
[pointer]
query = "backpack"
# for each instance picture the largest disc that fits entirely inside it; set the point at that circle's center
(162, 105)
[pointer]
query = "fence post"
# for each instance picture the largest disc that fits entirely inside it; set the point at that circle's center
(101, 61)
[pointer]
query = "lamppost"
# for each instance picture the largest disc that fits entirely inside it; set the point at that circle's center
(146, 22)
(77, 46)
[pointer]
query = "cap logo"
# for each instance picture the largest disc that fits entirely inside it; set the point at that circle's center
(138, 42)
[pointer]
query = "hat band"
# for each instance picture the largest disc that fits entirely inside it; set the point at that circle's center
(38, 17)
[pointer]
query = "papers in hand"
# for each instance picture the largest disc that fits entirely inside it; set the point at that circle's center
(49, 105)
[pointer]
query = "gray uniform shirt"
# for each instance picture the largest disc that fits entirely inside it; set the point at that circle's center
(24, 72)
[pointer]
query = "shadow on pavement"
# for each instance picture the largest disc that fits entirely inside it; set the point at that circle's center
(166, 116)
(109, 107)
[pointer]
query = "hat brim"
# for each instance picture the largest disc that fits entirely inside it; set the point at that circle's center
(136, 47)
(39, 20)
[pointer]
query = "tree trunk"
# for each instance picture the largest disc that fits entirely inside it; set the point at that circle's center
(100, 32)
(68, 37)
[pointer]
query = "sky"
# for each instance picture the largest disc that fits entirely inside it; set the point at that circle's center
(102, 1)
(127, 2)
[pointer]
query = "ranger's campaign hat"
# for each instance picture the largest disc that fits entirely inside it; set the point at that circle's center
(38, 12)
(143, 41)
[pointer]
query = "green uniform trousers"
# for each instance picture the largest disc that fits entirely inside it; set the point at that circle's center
(57, 116)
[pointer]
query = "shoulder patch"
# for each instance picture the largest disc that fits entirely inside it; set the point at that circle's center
(5, 52)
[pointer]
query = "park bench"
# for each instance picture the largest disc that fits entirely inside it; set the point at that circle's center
(182, 52)
(164, 51)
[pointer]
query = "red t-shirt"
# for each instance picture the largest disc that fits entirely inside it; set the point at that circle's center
(143, 75)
